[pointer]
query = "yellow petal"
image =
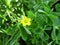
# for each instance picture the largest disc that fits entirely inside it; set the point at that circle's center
(26, 21)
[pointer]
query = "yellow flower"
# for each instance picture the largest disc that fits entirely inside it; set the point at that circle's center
(26, 21)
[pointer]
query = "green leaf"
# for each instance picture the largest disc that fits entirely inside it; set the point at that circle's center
(27, 30)
(30, 14)
(1, 43)
(14, 38)
(24, 34)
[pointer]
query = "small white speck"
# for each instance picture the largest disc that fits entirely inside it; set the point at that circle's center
(16, 0)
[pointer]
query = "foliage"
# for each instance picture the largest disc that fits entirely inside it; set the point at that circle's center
(45, 23)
